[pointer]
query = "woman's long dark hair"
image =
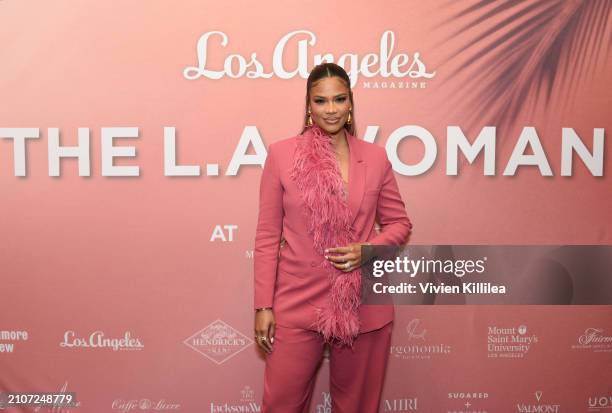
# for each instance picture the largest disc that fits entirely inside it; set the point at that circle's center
(327, 69)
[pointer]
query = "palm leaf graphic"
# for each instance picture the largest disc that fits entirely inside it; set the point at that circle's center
(533, 48)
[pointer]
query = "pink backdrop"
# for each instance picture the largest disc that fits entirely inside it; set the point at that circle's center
(161, 266)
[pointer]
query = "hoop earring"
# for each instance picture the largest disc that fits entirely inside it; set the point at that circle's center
(309, 121)
(349, 120)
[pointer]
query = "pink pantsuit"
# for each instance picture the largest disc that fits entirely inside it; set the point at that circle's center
(287, 279)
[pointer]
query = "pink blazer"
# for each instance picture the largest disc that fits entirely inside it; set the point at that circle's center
(285, 275)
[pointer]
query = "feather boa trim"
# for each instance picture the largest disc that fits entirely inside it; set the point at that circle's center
(317, 175)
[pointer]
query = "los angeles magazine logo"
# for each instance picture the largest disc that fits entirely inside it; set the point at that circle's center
(406, 71)
(99, 340)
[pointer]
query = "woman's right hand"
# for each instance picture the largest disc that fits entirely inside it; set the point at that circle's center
(264, 327)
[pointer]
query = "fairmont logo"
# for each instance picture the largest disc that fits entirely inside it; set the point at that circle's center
(594, 339)
(97, 339)
(383, 62)
(594, 336)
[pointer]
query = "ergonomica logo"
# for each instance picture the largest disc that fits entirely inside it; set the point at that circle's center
(415, 344)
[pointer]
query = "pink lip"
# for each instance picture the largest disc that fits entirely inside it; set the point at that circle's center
(332, 119)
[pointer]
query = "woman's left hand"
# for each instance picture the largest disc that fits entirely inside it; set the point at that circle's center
(350, 256)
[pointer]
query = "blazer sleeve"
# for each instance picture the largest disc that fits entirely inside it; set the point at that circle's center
(391, 211)
(268, 232)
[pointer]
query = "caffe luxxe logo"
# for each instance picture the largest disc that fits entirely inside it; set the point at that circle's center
(382, 63)
(132, 405)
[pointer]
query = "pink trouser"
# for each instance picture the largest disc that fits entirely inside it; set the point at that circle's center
(356, 375)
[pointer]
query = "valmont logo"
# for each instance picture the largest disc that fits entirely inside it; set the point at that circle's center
(382, 63)
(218, 341)
(527, 407)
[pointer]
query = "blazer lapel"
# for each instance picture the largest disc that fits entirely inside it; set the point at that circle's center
(357, 173)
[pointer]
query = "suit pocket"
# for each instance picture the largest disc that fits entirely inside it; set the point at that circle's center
(369, 201)
(306, 270)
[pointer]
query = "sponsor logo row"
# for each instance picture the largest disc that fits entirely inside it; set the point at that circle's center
(414, 340)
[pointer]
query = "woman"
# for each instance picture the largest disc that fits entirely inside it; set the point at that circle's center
(320, 194)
